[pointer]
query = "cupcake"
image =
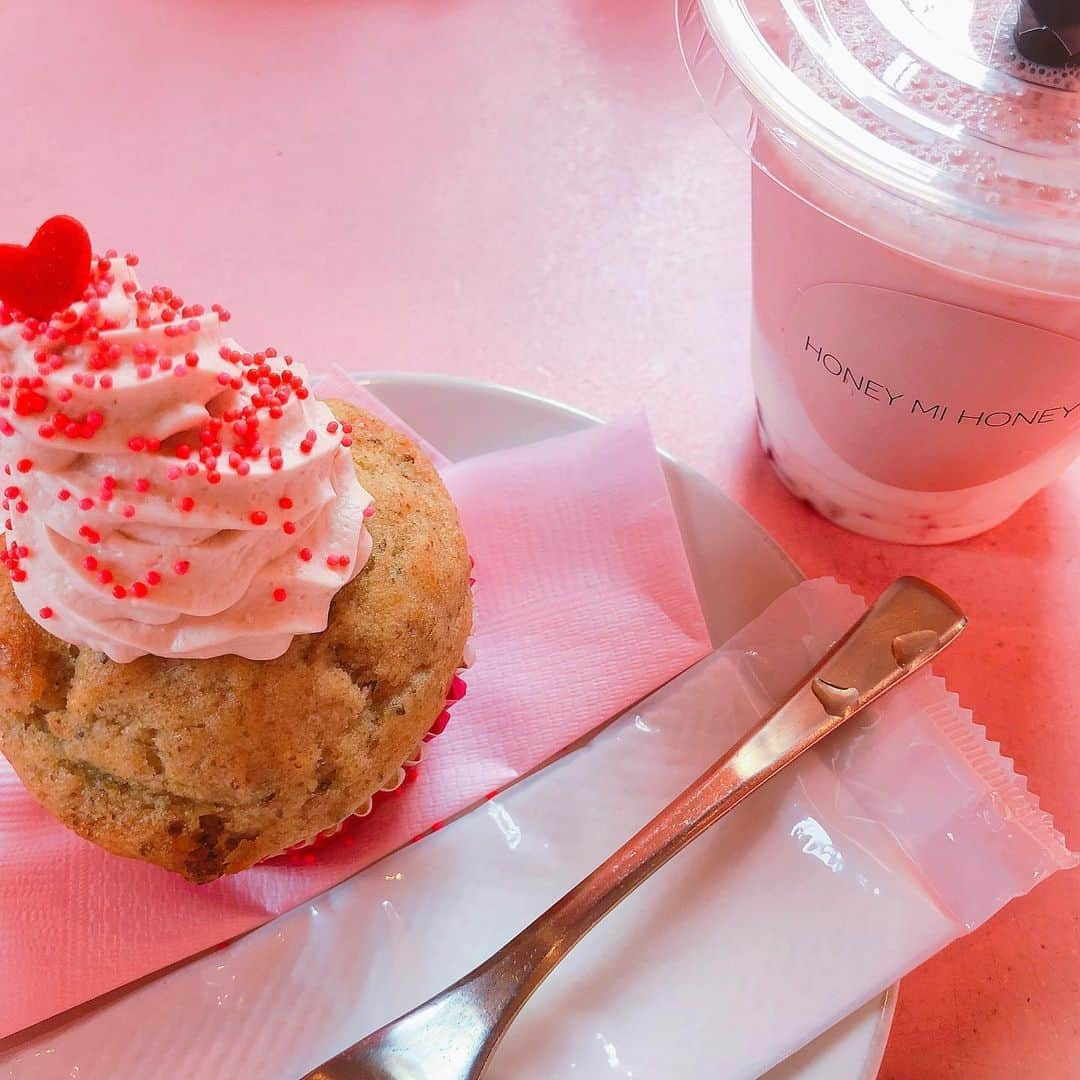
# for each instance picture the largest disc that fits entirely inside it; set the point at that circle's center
(229, 612)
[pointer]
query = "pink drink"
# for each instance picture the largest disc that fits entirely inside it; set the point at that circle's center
(916, 246)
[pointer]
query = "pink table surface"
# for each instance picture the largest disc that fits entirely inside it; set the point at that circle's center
(531, 193)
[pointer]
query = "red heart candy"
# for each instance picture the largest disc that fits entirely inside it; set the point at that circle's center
(50, 273)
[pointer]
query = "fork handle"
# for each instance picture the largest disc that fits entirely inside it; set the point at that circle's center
(909, 625)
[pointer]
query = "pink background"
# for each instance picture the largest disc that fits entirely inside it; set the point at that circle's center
(533, 194)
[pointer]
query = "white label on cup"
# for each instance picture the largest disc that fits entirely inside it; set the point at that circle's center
(926, 395)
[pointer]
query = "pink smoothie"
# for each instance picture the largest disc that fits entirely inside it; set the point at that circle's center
(916, 246)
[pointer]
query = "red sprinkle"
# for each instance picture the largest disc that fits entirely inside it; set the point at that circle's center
(305, 554)
(182, 567)
(187, 504)
(46, 613)
(29, 403)
(119, 592)
(285, 503)
(153, 577)
(140, 589)
(25, 465)
(280, 595)
(258, 517)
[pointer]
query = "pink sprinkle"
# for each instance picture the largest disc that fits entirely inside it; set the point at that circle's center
(129, 511)
(142, 484)
(174, 473)
(369, 511)
(144, 371)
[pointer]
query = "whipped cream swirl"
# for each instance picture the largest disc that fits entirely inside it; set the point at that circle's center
(167, 492)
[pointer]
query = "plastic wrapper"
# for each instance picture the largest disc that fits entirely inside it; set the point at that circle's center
(875, 850)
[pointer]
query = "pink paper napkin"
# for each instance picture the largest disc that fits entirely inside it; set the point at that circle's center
(585, 603)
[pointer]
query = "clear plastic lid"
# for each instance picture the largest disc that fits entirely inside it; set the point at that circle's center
(924, 108)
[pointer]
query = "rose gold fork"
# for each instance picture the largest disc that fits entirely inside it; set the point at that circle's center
(452, 1036)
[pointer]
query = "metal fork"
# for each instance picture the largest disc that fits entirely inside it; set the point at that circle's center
(452, 1036)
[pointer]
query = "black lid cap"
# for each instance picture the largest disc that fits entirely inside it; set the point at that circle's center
(1048, 32)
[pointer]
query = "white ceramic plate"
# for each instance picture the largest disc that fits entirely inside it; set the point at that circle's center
(284, 997)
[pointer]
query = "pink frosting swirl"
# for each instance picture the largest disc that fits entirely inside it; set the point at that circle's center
(168, 493)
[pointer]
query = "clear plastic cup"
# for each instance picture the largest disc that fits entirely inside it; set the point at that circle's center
(916, 252)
